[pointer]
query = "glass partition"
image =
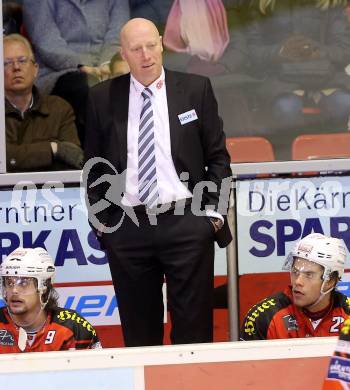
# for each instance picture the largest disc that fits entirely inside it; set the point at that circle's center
(280, 69)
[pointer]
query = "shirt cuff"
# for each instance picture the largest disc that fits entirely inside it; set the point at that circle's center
(214, 214)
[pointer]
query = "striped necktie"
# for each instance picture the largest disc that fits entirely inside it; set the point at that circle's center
(147, 174)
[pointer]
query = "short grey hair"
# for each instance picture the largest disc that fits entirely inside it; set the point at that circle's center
(20, 38)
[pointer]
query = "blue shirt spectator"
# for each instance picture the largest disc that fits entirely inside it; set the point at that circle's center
(69, 33)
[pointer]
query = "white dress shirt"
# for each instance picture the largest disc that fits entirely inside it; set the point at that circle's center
(170, 188)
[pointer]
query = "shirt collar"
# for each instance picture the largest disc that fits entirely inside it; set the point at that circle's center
(155, 87)
(15, 108)
(36, 104)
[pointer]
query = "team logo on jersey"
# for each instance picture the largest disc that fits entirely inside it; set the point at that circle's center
(290, 322)
(6, 337)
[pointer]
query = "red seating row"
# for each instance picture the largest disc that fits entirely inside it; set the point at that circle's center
(304, 147)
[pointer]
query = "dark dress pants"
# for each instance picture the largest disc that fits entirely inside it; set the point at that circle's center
(179, 248)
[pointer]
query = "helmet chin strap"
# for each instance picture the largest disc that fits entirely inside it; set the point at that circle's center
(43, 304)
(322, 294)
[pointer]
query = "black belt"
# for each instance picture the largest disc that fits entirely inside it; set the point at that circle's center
(165, 208)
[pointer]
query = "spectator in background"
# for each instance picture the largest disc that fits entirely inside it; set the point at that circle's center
(299, 49)
(31, 320)
(213, 45)
(212, 48)
(155, 10)
(74, 42)
(310, 307)
(40, 130)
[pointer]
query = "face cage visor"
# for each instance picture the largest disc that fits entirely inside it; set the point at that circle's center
(22, 285)
(289, 261)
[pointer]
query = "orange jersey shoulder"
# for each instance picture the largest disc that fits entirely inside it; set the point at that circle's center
(64, 330)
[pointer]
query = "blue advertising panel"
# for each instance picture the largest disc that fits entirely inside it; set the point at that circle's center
(56, 219)
(272, 214)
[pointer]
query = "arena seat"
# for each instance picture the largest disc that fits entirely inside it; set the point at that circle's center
(321, 146)
(249, 149)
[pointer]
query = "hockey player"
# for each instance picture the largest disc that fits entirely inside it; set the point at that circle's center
(31, 321)
(310, 306)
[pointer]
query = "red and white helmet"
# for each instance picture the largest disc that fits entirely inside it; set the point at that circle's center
(329, 252)
(30, 263)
